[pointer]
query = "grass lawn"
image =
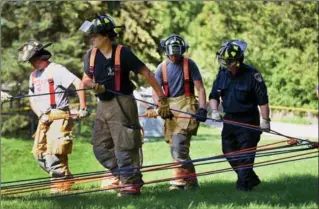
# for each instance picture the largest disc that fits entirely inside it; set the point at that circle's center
(288, 185)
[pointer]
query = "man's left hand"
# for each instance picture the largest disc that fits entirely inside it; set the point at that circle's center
(265, 124)
(163, 108)
(201, 115)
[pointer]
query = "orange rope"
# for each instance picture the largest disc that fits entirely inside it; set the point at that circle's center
(88, 179)
(201, 173)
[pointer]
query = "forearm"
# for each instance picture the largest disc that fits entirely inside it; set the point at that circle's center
(155, 97)
(264, 111)
(202, 98)
(81, 94)
(150, 78)
(213, 103)
(157, 88)
(87, 81)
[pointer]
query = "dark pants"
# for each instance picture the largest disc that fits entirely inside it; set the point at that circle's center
(236, 138)
(117, 138)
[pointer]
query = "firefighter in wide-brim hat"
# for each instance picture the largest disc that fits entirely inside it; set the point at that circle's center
(53, 138)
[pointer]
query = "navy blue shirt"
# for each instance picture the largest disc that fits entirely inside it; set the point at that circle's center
(104, 70)
(175, 77)
(240, 93)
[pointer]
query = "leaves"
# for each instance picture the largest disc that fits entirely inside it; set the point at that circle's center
(282, 38)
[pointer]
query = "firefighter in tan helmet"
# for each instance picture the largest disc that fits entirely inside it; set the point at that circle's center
(53, 137)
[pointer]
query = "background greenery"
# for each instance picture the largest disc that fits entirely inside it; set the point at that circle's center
(282, 39)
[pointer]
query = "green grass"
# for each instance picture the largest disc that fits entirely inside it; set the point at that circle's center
(288, 185)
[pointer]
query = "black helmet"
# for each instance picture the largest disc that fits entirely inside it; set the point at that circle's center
(101, 24)
(33, 49)
(231, 52)
(174, 45)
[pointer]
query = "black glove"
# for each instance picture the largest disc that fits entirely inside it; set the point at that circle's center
(201, 115)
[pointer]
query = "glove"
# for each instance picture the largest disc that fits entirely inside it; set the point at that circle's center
(265, 124)
(98, 88)
(216, 115)
(201, 115)
(151, 113)
(83, 113)
(45, 119)
(163, 108)
(5, 96)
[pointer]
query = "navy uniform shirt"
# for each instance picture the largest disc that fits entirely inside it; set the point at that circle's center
(175, 76)
(104, 71)
(240, 93)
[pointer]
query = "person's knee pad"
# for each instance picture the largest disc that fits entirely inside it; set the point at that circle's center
(41, 161)
(179, 147)
(54, 166)
(105, 156)
(124, 158)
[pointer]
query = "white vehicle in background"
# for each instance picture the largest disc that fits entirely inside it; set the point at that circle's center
(153, 127)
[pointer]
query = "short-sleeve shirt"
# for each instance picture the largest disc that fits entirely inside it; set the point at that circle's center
(104, 71)
(62, 78)
(241, 93)
(175, 77)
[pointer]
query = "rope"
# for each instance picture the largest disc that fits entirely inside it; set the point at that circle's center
(89, 178)
(158, 165)
(169, 179)
(244, 125)
(35, 187)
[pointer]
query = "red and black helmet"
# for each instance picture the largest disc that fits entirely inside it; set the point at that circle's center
(101, 24)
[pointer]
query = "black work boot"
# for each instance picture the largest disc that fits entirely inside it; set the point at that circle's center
(191, 185)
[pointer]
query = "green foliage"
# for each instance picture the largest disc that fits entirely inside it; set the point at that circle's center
(282, 38)
(11, 124)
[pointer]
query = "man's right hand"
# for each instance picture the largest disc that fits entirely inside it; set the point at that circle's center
(163, 108)
(216, 115)
(98, 88)
(45, 119)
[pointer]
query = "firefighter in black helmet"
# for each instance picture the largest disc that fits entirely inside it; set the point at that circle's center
(117, 131)
(242, 89)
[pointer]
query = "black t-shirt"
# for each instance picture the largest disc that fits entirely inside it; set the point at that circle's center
(104, 70)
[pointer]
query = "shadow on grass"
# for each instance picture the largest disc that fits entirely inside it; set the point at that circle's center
(286, 191)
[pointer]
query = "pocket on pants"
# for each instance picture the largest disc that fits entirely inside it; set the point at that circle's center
(63, 146)
(130, 137)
